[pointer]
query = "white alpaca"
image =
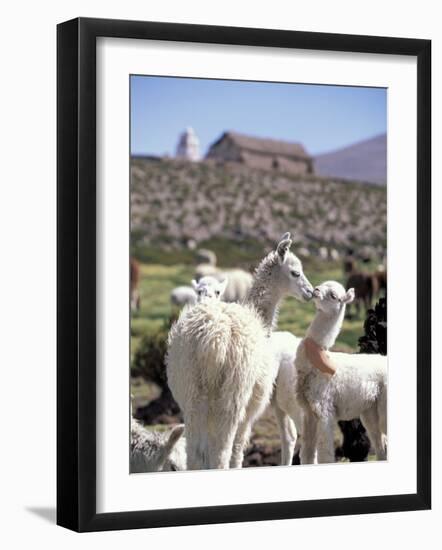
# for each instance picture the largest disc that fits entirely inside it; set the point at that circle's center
(221, 365)
(156, 451)
(284, 346)
(357, 389)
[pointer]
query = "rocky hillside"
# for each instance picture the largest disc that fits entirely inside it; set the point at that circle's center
(363, 161)
(174, 202)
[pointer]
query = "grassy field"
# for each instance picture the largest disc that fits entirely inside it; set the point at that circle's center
(158, 281)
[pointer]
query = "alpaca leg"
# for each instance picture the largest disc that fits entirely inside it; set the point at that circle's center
(240, 443)
(255, 408)
(370, 420)
(220, 438)
(288, 434)
(309, 438)
(195, 455)
(197, 444)
(326, 441)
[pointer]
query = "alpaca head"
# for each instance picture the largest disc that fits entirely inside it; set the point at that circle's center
(208, 288)
(331, 297)
(288, 272)
(153, 451)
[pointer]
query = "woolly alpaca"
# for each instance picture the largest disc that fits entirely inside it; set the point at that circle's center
(221, 367)
(284, 346)
(357, 389)
(156, 451)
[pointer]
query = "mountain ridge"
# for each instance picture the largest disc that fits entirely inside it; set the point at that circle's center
(365, 161)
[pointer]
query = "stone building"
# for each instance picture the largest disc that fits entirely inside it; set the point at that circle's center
(188, 145)
(265, 154)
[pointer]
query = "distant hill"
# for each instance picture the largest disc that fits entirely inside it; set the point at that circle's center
(174, 201)
(364, 161)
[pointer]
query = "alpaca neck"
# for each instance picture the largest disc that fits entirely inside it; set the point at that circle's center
(264, 294)
(267, 305)
(325, 328)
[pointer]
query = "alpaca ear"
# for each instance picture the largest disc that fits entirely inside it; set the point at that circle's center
(194, 284)
(283, 247)
(349, 297)
(175, 434)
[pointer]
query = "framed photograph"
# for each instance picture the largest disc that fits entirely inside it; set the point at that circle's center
(237, 210)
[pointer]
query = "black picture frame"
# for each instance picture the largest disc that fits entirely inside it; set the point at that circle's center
(76, 273)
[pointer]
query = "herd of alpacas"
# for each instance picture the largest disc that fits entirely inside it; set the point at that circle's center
(226, 364)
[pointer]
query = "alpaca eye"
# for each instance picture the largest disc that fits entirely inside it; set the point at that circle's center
(216, 292)
(295, 273)
(333, 295)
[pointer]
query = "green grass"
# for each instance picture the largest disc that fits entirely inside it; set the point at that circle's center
(157, 281)
(228, 252)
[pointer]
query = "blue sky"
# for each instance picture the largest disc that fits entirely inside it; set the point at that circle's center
(322, 118)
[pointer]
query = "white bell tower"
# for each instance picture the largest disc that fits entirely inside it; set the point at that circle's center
(188, 145)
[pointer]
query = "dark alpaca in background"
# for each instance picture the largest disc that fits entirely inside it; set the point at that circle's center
(356, 445)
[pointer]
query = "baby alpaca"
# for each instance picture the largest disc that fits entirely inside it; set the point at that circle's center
(357, 389)
(156, 451)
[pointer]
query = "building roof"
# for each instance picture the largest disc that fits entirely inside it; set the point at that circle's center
(266, 146)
